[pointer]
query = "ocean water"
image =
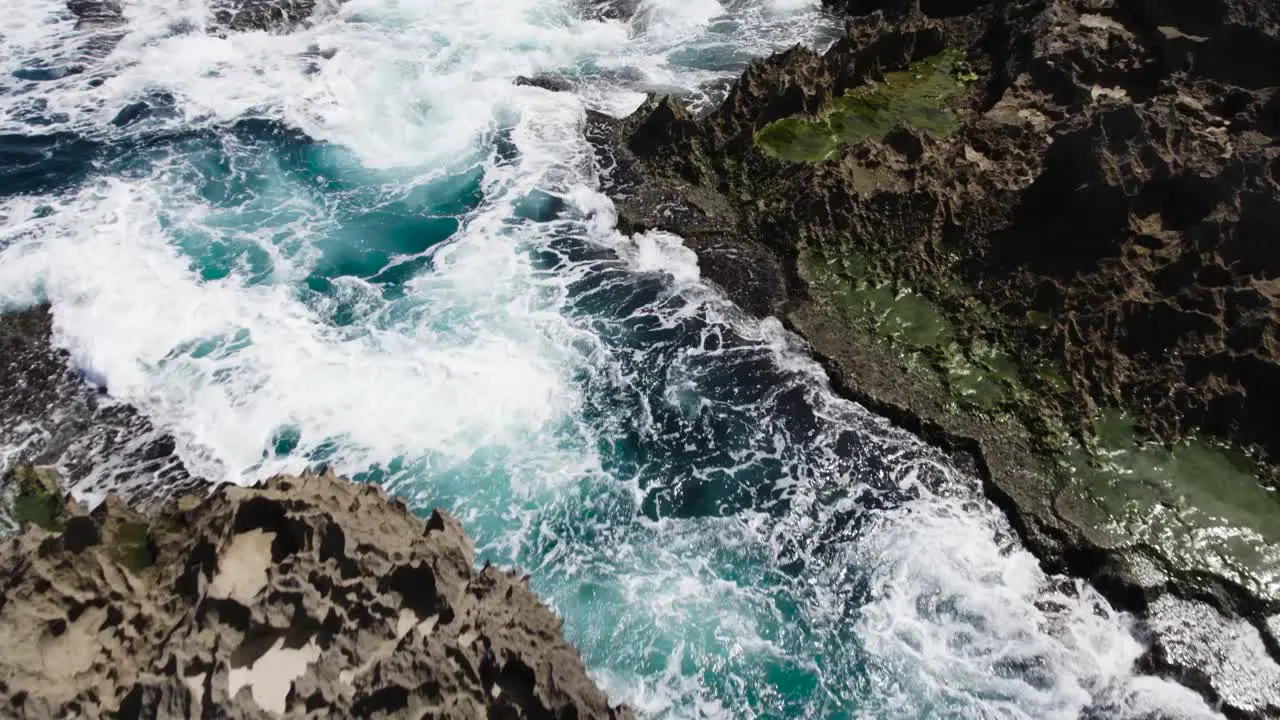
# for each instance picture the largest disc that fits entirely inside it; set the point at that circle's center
(360, 244)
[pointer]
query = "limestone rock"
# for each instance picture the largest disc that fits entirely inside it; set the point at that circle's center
(308, 596)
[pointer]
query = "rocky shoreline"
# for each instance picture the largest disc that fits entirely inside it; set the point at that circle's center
(305, 596)
(52, 415)
(1037, 233)
(1067, 277)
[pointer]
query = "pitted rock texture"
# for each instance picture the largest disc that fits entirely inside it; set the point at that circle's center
(1113, 193)
(1108, 208)
(306, 597)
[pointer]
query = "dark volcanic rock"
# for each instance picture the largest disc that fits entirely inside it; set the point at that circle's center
(50, 416)
(610, 9)
(1109, 208)
(269, 15)
(546, 82)
(306, 596)
(233, 15)
(94, 14)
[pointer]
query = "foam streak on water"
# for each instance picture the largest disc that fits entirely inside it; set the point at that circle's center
(360, 244)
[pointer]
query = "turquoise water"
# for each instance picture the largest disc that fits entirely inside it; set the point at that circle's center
(361, 245)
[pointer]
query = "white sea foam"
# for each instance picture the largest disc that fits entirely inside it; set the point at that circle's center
(491, 387)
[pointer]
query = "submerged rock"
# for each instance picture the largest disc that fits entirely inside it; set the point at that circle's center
(1225, 658)
(623, 10)
(96, 14)
(275, 16)
(105, 23)
(58, 420)
(233, 15)
(1092, 229)
(554, 83)
(308, 595)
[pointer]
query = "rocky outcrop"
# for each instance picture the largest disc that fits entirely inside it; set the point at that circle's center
(622, 10)
(228, 15)
(1097, 233)
(96, 14)
(275, 16)
(52, 415)
(308, 596)
(1111, 193)
(545, 81)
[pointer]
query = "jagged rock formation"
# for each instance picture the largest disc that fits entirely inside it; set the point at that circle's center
(308, 596)
(1113, 192)
(1103, 220)
(1117, 179)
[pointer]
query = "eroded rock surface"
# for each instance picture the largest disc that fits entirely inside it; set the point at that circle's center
(308, 596)
(1097, 232)
(1113, 192)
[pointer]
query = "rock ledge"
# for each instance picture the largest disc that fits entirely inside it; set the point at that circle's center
(308, 596)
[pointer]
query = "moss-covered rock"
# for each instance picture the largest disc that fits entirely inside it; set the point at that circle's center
(924, 96)
(130, 545)
(1095, 233)
(37, 499)
(979, 375)
(1198, 500)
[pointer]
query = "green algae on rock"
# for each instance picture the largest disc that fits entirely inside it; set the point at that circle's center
(905, 318)
(985, 377)
(1072, 229)
(1199, 501)
(131, 546)
(37, 500)
(979, 376)
(921, 96)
